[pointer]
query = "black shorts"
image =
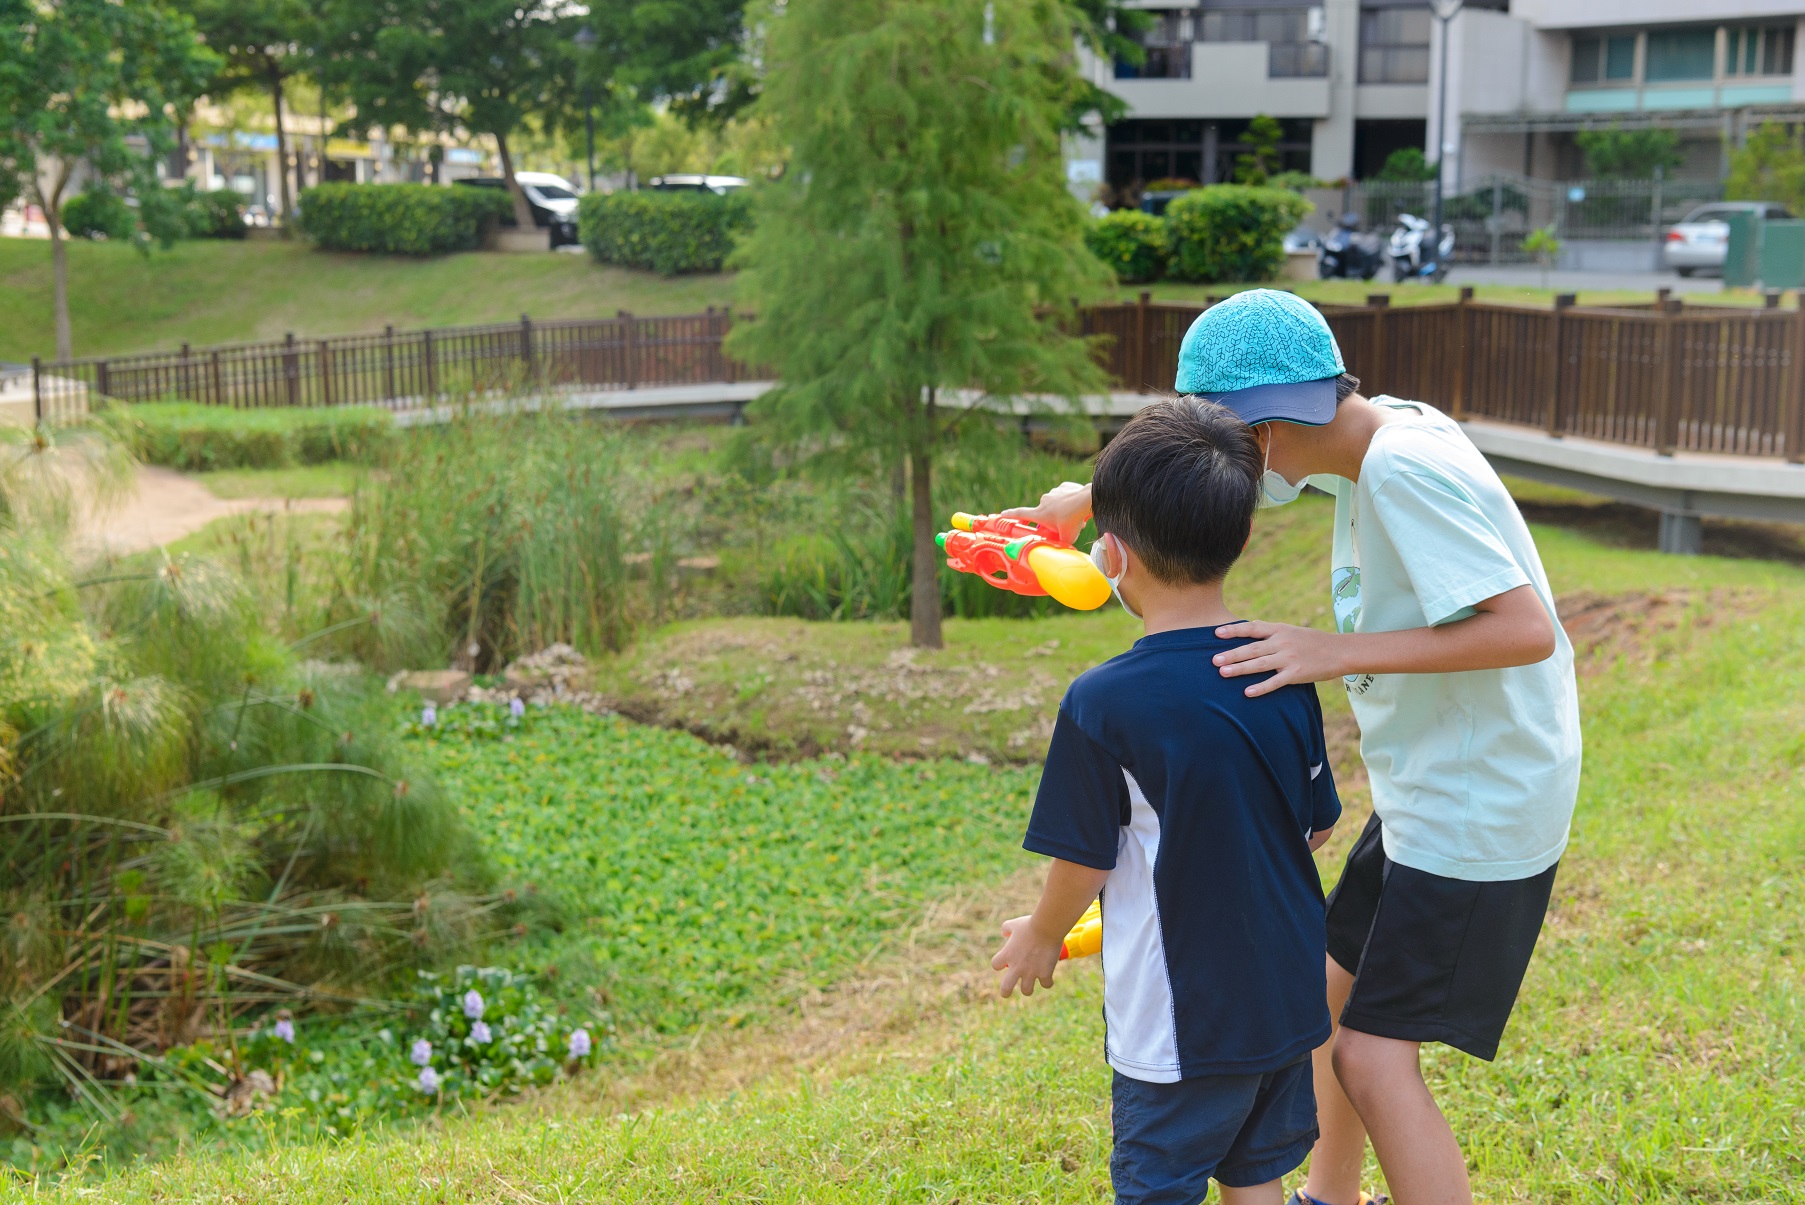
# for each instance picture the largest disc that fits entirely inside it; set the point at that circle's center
(1433, 959)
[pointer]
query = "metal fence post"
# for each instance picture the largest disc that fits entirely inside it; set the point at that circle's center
(1667, 421)
(325, 373)
(217, 378)
(388, 363)
(1792, 396)
(629, 369)
(1463, 351)
(1139, 384)
(37, 390)
(432, 368)
(291, 369)
(1558, 362)
(186, 375)
(526, 346)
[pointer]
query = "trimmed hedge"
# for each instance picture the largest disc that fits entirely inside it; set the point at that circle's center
(97, 213)
(400, 219)
(668, 232)
(186, 435)
(1231, 232)
(1132, 243)
(215, 214)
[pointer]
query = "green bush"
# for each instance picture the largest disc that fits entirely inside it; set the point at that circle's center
(399, 219)
(1407, 165)
(215, 214)
(1231, 232)
(1132, 243)
(97, 213)
(186, 435)
(668, 232)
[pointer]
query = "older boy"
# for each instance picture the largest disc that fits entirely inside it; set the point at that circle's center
(1462, 682)
(1193, 807)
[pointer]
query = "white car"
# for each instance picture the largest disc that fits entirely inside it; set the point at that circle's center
(553, 200)
(719, 185)
(1701, 240)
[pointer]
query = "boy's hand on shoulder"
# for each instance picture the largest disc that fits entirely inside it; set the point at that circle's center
(1025, 958)
(1287, 652)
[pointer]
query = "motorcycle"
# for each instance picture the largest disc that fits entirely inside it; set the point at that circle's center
(1346, 252)
(1406, 250)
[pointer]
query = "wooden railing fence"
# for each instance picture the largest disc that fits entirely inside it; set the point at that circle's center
(1667, 376)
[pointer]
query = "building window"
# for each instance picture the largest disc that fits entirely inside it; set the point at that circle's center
(1601, 59)
(1763, 50)
(1168, 48)
(1295, 50)
(1681, 54)
(1394, 45)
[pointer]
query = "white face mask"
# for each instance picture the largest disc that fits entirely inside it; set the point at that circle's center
(1274, 489)
(1099, 557)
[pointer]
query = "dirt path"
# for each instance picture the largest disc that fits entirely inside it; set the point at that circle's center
(164, 506)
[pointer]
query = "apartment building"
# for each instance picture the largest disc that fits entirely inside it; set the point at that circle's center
(1352, 80)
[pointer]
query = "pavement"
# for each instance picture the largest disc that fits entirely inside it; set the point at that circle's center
(1528, 276)
(165, 506)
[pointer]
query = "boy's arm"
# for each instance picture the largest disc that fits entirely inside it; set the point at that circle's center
(1512, 628)
(1031, 943)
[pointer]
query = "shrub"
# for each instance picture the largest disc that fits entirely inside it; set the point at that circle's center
(1407, 165)
(399, 219)
(98, 213)
(668, 232)
(1231, 232)
(186, 435)
(1132, 243)
(215, 214)
(1769, 167)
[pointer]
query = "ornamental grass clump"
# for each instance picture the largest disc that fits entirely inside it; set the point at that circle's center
(195, 824)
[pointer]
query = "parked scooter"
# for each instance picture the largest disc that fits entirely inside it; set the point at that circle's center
(1345, 251)
(1406, 249)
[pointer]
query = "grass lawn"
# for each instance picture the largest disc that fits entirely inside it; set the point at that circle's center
(335, 479)
(216, 291)
(1656, 1054)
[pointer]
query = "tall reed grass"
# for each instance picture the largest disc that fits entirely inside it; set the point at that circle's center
(194, 822)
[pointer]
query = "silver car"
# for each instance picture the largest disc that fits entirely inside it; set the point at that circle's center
(1702, 238)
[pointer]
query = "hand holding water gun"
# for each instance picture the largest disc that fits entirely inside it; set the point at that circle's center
(1014, 555)
(1026, 960)
(1086, 937)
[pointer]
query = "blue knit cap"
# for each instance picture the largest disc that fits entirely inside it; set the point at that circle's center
(1264, 354)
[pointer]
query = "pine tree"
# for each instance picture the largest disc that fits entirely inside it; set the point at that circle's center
(917, 257)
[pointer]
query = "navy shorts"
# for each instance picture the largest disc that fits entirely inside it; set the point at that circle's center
(1240, 1130)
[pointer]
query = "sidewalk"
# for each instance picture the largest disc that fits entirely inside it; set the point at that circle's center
(1528, 276)
(165, 506)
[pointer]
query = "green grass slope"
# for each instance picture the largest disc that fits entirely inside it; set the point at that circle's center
(208, 291)
(1656, 1055)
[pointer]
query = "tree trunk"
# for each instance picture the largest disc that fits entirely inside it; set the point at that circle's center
(924, 586)
(288, 203)
(52, 205)
(523, 212)
(59, 275)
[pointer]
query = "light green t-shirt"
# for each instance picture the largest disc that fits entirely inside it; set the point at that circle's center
(1474, 774)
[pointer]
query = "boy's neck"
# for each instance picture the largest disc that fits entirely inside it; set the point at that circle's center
(1339, 447)
(1168, 607)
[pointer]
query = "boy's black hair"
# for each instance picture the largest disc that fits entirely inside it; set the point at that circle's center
(1179, 485)
(1345, 386)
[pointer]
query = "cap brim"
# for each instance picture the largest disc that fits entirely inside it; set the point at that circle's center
(1309, 402)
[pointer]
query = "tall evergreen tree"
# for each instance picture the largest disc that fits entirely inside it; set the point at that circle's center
(916, 258)
(94, 85)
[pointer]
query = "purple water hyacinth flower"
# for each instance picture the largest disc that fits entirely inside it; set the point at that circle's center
(579, 1043)
(480, 1035)
(516, 707)
(473, 1005)
(428, 1081)
(429, 715)
(285, 1029)
(421, 1054)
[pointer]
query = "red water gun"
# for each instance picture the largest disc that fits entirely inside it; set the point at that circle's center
(1013, 555)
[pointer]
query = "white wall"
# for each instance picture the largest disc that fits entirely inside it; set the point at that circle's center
(1332, 137)
(1497, 64)
(1228, 79)
(1582, 14)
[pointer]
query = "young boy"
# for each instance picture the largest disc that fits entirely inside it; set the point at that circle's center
(1462, 682)
(1193, 807)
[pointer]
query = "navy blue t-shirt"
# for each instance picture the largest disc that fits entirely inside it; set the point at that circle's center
(1200, 803)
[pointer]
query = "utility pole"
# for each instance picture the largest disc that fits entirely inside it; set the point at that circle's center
(1445, 12)
(585, 41)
